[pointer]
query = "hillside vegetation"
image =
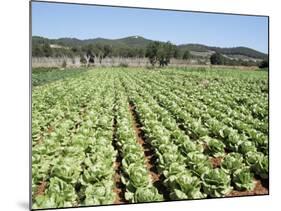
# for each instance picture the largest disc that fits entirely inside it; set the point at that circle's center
(136, 47)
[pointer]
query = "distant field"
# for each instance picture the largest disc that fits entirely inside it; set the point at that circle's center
(45, 75)
(128, 135)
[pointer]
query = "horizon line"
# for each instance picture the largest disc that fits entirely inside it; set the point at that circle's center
(91, 38)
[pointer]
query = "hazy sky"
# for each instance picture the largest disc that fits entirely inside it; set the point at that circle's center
(54, 20)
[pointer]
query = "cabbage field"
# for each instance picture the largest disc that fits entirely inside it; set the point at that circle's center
(125, 135)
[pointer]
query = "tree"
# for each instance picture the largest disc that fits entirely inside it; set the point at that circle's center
(177, 53)
(75, 50)
(107, 50)
(186, 55)
(140, 52)
(264, 64)
(217, 58)
(151, 52)
(47, 50)
(101, 51)
(160, 52)
(87, 57)
(37, 51)
(88, 54)
(131, 52)
(165, 52)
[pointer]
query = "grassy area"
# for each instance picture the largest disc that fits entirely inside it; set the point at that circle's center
(217, 72)
(41, 76)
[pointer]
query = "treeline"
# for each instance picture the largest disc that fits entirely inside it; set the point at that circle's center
(158, 53)
(239, 51)
(45, 50)
(219, 59)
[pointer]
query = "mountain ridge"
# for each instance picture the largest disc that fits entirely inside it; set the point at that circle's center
(137, 41)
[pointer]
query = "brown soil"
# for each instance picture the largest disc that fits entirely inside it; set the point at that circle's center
(119, 188)
(41, 188)
(149, 154)
(216, 162)
(261, 188)
(50, 129)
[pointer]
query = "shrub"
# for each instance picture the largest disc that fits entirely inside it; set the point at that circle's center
(122, 64)
(64, 64)
(217, 58)
(264, 64)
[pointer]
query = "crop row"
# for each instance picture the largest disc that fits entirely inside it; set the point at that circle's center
(77, 164)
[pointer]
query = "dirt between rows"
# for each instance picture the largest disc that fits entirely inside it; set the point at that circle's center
(149, 154)
(41, 189)
(119, 186)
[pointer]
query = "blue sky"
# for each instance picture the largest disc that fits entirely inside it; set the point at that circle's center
(55, 20)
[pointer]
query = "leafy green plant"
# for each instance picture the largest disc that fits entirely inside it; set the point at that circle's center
(131, 158)
(261, 167)
(138, 177)
(232, 162)
(232, 141)
(67, 170)
(252, 157)
(166, 159)
(100, 193)
(243, 179)
(144, 194)
(214, 146)
(216, 183)
(198, 163)
(247, 146)
(96, 172)
(189, 146)
(58, 194)
(174, 168)
(184, 186)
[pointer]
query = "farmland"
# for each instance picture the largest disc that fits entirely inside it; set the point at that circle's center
(130, 135)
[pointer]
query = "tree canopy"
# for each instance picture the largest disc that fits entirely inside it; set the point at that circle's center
(160, 53)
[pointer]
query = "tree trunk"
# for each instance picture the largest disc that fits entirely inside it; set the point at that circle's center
(87, 58)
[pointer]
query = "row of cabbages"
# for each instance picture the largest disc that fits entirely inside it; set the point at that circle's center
(186, 123)
(135, 174)
(76, 158)
(217, 182)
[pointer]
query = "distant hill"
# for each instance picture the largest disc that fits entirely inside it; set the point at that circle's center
(230, 52)
(132, 41)
(194, 47)
(141, 42)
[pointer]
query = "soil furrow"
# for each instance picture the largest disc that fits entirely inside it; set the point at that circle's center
(40, 189)
(120, 188)
(149, 154)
